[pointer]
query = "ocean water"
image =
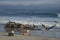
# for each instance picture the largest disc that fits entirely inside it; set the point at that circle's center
(32, 17)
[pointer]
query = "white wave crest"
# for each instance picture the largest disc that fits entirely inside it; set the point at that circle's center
(31, 20)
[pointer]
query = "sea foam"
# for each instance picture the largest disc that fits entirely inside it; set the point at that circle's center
(30, 20)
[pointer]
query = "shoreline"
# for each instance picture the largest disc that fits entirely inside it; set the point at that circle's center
(4, 36)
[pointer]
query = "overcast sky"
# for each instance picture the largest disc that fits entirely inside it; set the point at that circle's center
(29, 2)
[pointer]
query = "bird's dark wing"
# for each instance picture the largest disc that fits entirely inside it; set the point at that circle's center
(52, 27)
(48, 28)
(43, 26)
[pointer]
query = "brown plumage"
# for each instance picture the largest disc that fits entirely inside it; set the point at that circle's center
(18, 26)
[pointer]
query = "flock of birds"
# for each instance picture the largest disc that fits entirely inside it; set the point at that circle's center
(35, 27)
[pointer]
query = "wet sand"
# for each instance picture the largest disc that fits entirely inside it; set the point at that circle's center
(4, 36)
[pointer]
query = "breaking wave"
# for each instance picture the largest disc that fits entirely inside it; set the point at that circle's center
(30, 20)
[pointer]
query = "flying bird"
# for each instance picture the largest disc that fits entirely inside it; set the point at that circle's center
(48, 27)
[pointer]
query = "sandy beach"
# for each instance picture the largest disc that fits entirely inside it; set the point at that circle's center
(4, 36)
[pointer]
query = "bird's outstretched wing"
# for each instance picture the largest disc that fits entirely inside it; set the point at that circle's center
(44, 26)
(52, 27)
(48, 28)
